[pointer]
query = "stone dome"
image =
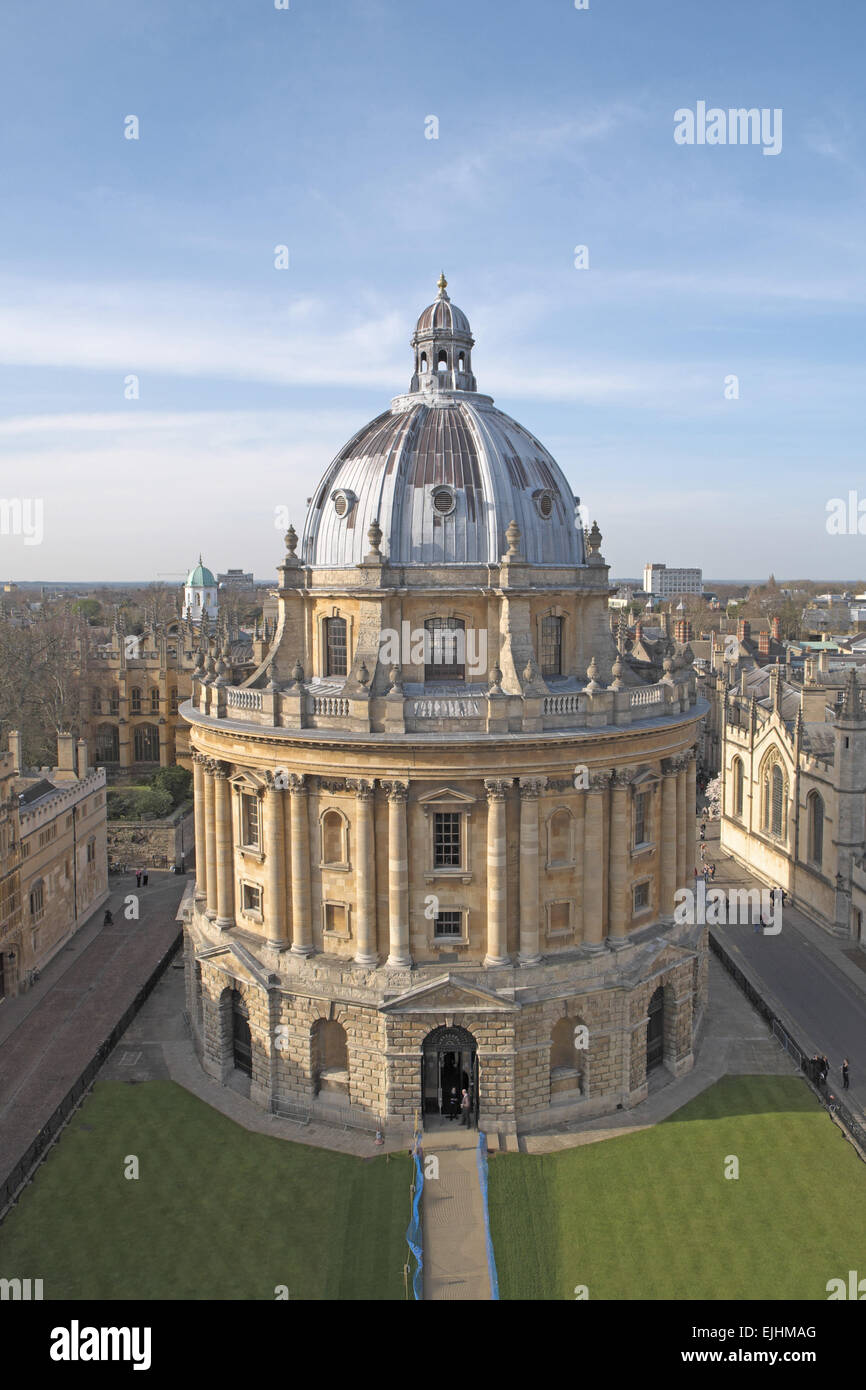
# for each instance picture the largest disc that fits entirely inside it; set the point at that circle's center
(200, 577)
(443, 472)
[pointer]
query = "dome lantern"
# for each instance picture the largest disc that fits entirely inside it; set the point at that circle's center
(442, 343)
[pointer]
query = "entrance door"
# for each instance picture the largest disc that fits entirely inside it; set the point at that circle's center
(242, 1043)
(655, 1033)
(448, 1068)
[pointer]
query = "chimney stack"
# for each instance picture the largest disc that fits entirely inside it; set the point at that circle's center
(16, 748)
(744, 629)
(66, 757)
(82, 757)
(764, 643)
(776, 629)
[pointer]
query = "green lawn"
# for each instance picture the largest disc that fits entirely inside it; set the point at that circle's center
(217, 1212)
(651, 1215)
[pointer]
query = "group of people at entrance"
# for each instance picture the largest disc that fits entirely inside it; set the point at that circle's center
(459, 1105)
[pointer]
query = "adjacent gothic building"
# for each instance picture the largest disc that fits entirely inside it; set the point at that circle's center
(440, 825)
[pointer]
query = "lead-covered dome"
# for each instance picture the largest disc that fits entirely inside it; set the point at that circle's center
(443, 472)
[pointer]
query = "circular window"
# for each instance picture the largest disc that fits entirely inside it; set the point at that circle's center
(341, 506)
(443, 500)
(544, 504)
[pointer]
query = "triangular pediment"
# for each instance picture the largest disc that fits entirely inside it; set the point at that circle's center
(446, 794)
(448, 995)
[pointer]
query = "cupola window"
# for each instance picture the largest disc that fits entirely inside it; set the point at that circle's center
(442, 360)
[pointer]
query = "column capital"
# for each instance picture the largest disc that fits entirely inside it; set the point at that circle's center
(396, 791)
(364, 790)
(497, 787)
(218, 769)
(273, 784)
(531, 787)
(200, 758)
(599, 781)
(621, 779)
(298, 783)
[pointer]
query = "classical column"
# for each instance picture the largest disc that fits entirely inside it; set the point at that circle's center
(669, 883)
(210, 837)
(619, 858)
(593, 866)
(198, 776)
(691, 811)
(302, 922)
(398, 875)
(275, 861)
(365, 874)
(225, 866)
(497, 874)
(682, 828)
(529, 918)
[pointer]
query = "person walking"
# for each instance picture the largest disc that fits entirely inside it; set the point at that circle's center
(144, 879)
(138, 878)
(845, 1078)
(108, 920)
(703, 830)
(466, 1109)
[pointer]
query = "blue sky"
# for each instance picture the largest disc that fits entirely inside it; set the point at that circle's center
(306, 127)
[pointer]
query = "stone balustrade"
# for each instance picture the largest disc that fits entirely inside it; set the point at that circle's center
(304, 708)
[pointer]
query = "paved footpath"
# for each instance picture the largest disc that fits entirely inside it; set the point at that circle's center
(455, 1244)
(49, 1035)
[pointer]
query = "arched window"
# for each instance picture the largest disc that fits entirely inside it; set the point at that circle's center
(146, 743)
(560, 846)
(461, 363)
(738, 787)
(816, 828)
(335, 647)
(551, 646)
(107, 744)
(96, 702)
(778, 795)
(114, 702)
(442, 360)
(333, 838)
(330, 1045)
(774, 796)
(154, 699)
(135, 700)
(655, 1033)
(444, 649)
(423, 363)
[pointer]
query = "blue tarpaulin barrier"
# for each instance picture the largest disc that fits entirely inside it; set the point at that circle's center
(413, 1235)
(482, 1178)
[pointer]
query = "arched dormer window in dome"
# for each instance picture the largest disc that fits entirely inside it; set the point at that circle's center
(442, 361)
(423, 362)
(461, 362)
(344, 500)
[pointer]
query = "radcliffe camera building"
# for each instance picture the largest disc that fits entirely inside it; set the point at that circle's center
(440, 826)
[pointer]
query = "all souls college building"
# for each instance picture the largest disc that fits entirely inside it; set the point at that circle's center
(440, 827)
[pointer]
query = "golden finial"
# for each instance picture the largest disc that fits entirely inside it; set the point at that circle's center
(442, 282)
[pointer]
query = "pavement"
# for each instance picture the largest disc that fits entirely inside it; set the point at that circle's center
(452, 1213)
(52, 1033)
(814, 980)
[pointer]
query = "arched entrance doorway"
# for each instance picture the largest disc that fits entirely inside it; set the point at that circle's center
(242, 1043)
(449, 1066)
(655, 1030)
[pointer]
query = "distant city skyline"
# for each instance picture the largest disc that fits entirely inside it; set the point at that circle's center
(165, 388)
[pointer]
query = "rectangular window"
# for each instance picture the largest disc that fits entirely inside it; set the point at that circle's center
(448, 924)
(559, 917)
(551, 646)
(641, 896)
(336, 919)
(37, 904)
(446, 840)
(252, 898)
(154, 700)
(641, 819)
(114, 702)
(336, 651)
(91, 851)
(136, 701)
(250, 819)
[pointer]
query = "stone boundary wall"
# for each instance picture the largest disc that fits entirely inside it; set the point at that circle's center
(154, 844)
